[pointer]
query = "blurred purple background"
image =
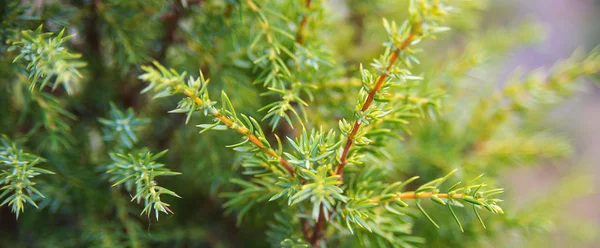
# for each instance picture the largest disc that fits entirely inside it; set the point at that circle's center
(571, 24)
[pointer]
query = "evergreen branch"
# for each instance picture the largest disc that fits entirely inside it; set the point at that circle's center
(422, 14)
(139, 169)
(171, 82)
(276, 74)
(477, 200)
(326, 183)
(358, 210)
(16, 177)
(134, 168)
(367, 104)
(48, 59)
(242, 130)
(422, 23)
(120, 126)
(412, 195)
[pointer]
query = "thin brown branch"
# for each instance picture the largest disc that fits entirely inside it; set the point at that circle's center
(369, 101)
(93, 33)
(300, 34)
(358, 19)
(306, 229)
(228, 10)
(319, 229)
(171, 20)
(242, 130)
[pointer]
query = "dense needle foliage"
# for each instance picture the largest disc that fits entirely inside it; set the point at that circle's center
(334, 140)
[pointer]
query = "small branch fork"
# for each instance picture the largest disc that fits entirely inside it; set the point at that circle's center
(368, 102)
(319, 228)
(316, 234)
(244, 131)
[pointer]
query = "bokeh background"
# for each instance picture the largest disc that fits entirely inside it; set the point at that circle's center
(570, 25)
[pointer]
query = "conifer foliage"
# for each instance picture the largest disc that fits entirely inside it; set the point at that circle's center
(334, 140)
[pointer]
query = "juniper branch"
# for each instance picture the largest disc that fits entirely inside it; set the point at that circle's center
(367, 104)
(176, 85)
(240, 129)
(422, 23)
(18, 169)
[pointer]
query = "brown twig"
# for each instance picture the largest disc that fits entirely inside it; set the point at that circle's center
(93, 34)
(300, 34)
(306, 229)
(369, 101)
(171, 20)
(242, 130)
(358, 20)
(319, 229)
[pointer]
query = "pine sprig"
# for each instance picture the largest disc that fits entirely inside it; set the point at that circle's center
(276, 74)
(18, 169)
(167, 82)
(281, 63)
(136, 169)
(323, 191)
(423, 22)
(137, 172)
(121, 126)
(313, 150)
(361, 210)
(49, 61)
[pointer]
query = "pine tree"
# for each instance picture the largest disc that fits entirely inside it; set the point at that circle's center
(117, 117)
